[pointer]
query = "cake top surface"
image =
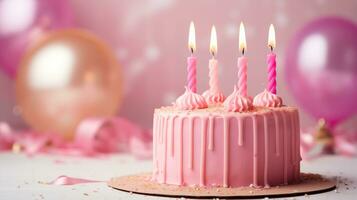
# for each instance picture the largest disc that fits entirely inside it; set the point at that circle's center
(220, 110)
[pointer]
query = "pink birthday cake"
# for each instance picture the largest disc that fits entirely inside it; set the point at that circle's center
(233, 142)
(211, 141)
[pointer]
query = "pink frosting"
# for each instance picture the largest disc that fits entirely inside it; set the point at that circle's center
(237, 103)
(225, 149)
(190, 101)
(267, 99)
(213, 98)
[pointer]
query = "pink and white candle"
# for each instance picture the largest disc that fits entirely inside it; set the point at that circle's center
(192, 61)
(213, 63)
(242, 63)
(213, 75)
(213, 95)
(271, 60)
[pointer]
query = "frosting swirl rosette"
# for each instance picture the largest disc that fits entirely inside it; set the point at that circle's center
(190, 101)
(213, 98)
(267, 99)
(237, 103)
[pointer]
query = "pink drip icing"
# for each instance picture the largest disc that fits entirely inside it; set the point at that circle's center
(240, 131)
(157, 139)
(180, 153)
(225, 152)
(285, 150)
(297, 146)
(292, 139)
(211, 139)
(293, 146)
(66, 180)
(165, 130)
(255, 151)
(154, 147)
(161, 164)
(191, 142)
(159, 129)
(277, 132)
(165, 150)
(157, 153)
(162, 125)
(266, 157)
(172, 144)
(203, 153)
(169, 136)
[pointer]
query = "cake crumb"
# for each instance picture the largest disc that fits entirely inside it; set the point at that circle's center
(86, 194)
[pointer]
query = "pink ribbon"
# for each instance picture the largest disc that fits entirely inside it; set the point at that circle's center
(66, 180)
(94, 136)
(342, 143)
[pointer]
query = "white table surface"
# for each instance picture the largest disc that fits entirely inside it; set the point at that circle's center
(22, 177)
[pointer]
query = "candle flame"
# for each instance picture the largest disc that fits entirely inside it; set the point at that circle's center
(271, 37)
(242, 40)
(213, 43)
(192, 38)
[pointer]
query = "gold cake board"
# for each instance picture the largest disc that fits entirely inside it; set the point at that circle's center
(141, 184)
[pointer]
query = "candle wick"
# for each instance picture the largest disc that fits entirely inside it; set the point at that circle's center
(243, 51)
(191, 51)
(212, 52)
(271, 48)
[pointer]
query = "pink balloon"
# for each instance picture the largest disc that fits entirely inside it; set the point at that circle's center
(321, 68)
(21, 22)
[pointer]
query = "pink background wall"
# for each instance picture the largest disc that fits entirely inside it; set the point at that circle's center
(150, 39)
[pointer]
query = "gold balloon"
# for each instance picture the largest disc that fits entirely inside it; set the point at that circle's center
(67, 76)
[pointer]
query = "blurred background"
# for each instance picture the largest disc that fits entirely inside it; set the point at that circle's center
(148, 40)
